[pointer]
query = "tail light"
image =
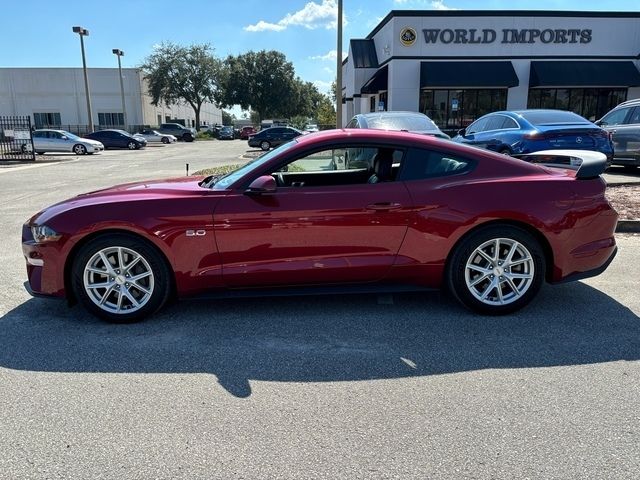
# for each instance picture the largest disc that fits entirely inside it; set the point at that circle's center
(535, 136)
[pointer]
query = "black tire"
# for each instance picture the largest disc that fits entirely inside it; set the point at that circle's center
(187, 137)
(165, 140)
(464, 253)
(79, 149)
(132, 146)
(264, 145)
(162, 278)
(504, 151)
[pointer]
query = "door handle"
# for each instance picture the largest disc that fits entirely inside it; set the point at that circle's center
(384, 206)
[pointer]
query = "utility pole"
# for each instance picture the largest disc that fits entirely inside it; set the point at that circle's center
(120, 53)
(83, 32)
(339, 69)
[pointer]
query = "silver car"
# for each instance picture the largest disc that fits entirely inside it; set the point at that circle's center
(47, 140)
(153, 136)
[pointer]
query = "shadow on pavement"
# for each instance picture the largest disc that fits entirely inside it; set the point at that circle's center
(318, 339)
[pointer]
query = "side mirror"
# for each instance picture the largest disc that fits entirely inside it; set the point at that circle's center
(261, 185)
(462, 132)
(600, 123)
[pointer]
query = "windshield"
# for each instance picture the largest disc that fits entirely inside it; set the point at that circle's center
(551, 117)
(70, 135)
(230, 178)
(411, 123)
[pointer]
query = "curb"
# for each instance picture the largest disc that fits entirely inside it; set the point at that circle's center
(628, 226)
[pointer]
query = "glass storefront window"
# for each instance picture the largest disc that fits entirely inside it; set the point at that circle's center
(591, 103)
(455, 109)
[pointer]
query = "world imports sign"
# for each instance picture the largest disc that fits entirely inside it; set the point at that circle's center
(506, 35)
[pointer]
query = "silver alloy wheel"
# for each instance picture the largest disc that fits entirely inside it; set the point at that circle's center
(499, 271)
(118, 280)
(265, 145)
(79, 149)
(132, 146)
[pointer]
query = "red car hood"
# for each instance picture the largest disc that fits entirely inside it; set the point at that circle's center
(129, 192)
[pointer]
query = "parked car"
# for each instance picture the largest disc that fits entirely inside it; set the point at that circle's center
(524, 131)
(48, 140)
(247, 131)
(117, 139)
(153, 136)
(311, 128)
(422, 212)
(273, 137)
(413, 122)
(179, 131)
(226, 133)
(623, 123)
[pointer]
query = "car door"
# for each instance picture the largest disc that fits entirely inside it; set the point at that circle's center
(626, 137)
(309, 234)
(616, 123)
(470, 135)
(41, 141)
(57, 143)
(491, 135)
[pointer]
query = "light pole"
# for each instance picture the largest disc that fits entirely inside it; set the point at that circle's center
(339, 69)
(84, 32)
(120, 53)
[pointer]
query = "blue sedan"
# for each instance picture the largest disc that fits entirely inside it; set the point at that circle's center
(526, 131)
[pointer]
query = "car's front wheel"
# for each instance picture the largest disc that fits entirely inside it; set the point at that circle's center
(165, 140)
(79, 149)
(264, 145)
(120, 278)
(132, 145)
(496, 270)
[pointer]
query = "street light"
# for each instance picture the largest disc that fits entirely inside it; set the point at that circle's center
(120, 53)
(84, 32)
(339, 69)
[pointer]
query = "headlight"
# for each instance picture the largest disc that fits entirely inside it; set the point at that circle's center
(42, 233)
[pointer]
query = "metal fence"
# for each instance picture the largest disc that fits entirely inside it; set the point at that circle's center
(16, 139)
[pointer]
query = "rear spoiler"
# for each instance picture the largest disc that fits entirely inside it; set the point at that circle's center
(587, 164)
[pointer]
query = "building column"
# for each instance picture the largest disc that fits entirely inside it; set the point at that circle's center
(404, 85)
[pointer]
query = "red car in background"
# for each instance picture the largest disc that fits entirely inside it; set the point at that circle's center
(245, 132)
(327, 212)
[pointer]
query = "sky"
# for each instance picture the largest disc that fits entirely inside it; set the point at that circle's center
(38, 33)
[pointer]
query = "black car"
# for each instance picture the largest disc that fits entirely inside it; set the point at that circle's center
(117, 139)
(272, 137)
(226, 133)
(179, 131)
(413, 122)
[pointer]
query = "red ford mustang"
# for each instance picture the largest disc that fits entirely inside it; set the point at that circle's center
(364, 210)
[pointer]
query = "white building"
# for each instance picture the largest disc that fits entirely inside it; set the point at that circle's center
(56, 96)
(457, 65)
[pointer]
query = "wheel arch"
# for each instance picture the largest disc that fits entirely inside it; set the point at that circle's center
(533, 231)
(111, 231)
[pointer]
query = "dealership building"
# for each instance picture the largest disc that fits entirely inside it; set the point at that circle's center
(456, 66)
(56, 97)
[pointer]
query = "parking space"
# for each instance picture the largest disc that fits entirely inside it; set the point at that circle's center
(357, 386)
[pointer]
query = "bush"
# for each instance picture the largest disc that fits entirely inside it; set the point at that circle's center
(205, 135)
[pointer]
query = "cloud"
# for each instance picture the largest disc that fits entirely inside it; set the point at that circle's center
(330, 55)
(431, 4)
(322, 85)
(313, 15)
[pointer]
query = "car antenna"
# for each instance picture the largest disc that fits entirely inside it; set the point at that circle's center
(187, 165)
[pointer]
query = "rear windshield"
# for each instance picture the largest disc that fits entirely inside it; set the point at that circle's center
(404, 122)
(548, 117)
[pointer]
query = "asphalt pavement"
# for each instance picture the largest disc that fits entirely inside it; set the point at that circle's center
(352, 386)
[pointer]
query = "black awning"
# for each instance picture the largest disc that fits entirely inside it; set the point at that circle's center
(467, 74)
(363, 53)
(584, 74)
(378, 82)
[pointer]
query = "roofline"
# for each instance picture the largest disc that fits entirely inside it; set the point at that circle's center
(499, 13)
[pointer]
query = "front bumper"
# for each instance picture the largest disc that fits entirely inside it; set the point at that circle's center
(45, 268)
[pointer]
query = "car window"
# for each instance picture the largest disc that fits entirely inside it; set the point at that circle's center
(408, 121)
(342, 166)
(552, 117)
(616, 117)
(635, 116)
(39, 134)
(421, 164)
(509, 123)
(353, 123)
(494, 122)
(477, 126)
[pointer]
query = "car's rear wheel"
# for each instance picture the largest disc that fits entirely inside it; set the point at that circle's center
(120, 278)
(264, 145)
(505, 151)
(496, 270)
(79, 149)
(132, 145)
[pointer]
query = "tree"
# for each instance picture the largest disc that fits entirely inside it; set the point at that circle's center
(227, 118)
(326, 112)
(176, 73)
(262, 81)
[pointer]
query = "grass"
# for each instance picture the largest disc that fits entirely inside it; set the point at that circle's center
(221, 170)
